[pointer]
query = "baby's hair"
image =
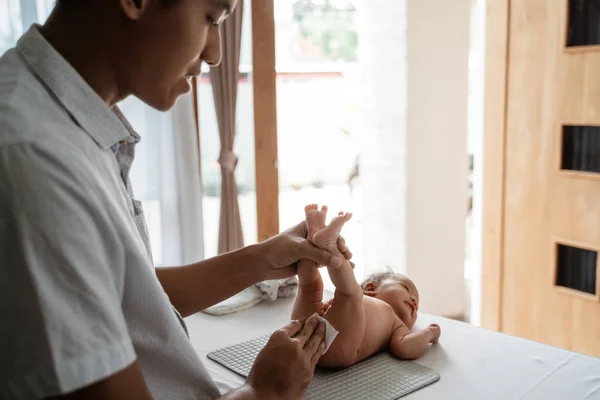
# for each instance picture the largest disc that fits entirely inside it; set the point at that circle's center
(379, 277)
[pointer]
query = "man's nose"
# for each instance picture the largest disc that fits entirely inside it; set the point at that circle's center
(213, 51)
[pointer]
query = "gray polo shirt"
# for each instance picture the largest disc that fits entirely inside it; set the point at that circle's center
(79, 297)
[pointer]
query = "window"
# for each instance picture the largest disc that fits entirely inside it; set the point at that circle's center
(576, 269)
(581, 148)
(317, 113)
(584, 23)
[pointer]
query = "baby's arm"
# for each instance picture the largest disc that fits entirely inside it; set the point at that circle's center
(410, 346)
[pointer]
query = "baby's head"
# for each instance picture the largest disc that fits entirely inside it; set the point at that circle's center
(396, 290)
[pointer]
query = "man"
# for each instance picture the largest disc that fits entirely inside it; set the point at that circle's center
(83, 314)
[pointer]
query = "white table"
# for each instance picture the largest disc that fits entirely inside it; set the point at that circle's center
(473, 363)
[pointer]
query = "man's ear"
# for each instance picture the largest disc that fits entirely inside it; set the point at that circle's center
(134, 9)
(370, 289)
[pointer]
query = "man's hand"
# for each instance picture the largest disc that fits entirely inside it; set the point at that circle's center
(282, 252)
(198, 286)
(285, 367)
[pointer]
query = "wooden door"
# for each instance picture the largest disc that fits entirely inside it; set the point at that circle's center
(549, 282)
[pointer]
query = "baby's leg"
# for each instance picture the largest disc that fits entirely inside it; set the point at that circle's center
(346, 313)
(342, 277)
(310, 290)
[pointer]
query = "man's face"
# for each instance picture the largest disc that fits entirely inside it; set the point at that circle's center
(167, 45)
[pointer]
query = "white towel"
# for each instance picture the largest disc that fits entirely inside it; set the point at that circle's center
(279, 288)
(268, 290)
(240, 302)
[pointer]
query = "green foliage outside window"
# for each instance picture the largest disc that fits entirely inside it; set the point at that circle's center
(328, 24)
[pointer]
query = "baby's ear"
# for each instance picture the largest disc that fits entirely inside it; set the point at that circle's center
(370, 289)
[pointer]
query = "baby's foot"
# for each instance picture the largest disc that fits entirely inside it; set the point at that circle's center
(315, 219)
(437, 331)
(327, 238)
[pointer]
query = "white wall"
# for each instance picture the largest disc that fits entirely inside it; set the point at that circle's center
(414, 59)
(438, 47)
(476, 112)
(382, 64)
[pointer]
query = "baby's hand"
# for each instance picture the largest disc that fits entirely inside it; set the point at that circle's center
(436, 331)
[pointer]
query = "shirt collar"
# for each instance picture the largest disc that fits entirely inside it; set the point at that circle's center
(107, 127)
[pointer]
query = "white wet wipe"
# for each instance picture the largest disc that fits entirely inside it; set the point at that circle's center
(330, 332)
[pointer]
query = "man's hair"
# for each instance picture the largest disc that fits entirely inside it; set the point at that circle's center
(70, 3)
(379, 277)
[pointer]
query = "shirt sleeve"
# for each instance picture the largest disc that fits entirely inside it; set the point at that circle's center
(61, 275)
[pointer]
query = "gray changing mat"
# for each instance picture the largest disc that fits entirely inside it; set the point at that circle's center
(381, 377)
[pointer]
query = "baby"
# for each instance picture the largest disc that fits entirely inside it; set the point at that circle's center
(377, 316)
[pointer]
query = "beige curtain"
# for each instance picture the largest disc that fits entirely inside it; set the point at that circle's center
(225, 79)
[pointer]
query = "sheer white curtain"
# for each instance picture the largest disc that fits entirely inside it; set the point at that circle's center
(166, 172)
(166, 178)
